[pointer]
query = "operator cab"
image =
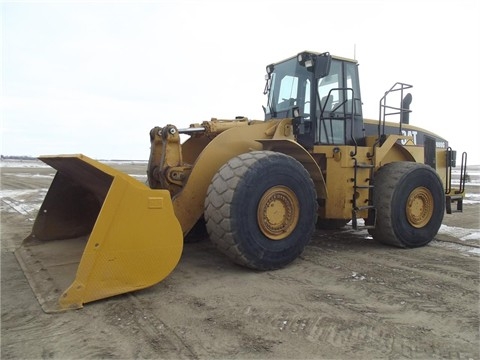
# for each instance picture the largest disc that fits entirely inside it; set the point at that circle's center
(321, 93)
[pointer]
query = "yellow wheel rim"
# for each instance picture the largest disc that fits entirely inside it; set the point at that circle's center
(419, 208)
(278, 212)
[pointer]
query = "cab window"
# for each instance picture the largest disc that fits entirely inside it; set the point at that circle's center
(329, 91)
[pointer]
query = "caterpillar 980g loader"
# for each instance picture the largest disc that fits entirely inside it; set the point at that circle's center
(260, 187)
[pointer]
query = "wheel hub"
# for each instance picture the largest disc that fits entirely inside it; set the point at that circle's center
(278, 212)
(419, 208)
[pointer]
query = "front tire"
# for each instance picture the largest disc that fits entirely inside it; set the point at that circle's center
(410, 204)
(261, 209)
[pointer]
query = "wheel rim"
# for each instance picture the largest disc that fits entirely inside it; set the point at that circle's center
(419, 207)
(278, 212)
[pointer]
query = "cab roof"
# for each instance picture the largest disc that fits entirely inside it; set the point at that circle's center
(318, 53)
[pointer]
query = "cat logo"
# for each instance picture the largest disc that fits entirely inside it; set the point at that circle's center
(411, 133)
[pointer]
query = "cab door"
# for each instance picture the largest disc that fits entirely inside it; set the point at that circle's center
(339, 109)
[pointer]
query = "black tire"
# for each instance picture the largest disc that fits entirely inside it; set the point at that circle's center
(410, 204)
(260, 209)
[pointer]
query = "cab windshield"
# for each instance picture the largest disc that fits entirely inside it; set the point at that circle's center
(288, 87)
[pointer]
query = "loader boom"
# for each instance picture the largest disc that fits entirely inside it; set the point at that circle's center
(231, 138)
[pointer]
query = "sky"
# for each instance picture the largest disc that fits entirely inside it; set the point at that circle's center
(94, 77)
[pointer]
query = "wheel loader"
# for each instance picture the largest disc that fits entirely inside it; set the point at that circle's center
(260, 188)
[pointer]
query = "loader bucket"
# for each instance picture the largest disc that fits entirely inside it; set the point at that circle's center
(98, 233)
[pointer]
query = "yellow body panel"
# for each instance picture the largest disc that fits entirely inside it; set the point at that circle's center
(135, 242)
(339, 180)
(189, 203)
(339, 171)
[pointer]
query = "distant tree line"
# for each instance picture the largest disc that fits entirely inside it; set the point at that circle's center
(16, 157)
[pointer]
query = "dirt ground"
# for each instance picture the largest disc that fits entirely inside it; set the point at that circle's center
(345, 297)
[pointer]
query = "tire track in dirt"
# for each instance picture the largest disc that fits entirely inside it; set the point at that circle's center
(231, 337)
(154, 337)
(346, 297)
(19, 206)
(400, 296)
(431, 269)
(349, 330)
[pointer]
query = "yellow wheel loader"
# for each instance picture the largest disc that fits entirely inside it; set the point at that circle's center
(259, 187)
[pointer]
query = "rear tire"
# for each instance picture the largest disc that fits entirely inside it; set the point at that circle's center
(261, 209)
(410, 204)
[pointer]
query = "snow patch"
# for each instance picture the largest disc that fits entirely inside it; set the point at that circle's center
(472, 199)
(15, 206)
(16, 194)
(27, 175)
(23, 164)
(460, 233)
(467, 250)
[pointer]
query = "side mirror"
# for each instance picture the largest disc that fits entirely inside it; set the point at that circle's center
(322, 65)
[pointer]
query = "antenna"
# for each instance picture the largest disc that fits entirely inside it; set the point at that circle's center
(354, 51)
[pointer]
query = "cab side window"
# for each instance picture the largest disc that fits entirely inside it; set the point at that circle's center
(328, 88)
(331, 95)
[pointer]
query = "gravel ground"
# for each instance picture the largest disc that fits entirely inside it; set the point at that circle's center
(345, 297)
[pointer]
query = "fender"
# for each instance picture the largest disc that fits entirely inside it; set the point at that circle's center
(391, 151)
(295, 150)
(188, 204)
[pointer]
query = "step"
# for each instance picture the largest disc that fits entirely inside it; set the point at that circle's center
(372, 212)
(364, 166)
(364, 186)
(449, 199)
(365, 207)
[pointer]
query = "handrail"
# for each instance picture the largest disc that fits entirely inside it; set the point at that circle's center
(343, 103)
(463, 173)
(398, 86)
(448, 170)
